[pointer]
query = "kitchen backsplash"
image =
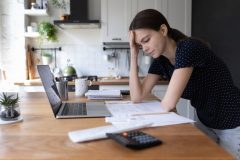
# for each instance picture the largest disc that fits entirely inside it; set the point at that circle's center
(82, 46)
(85, 51)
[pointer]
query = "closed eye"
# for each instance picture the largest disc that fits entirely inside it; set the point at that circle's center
(138, 45)
(145, 40)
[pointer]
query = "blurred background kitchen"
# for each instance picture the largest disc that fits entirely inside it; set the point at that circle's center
(83, 47)
(215, 21)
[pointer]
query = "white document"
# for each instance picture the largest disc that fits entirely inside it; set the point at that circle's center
(104, 94)
(128, 116)
(107, 93)
(127, 108)
(170, 118)
(100, 132)
(123, 110)
(149, 111)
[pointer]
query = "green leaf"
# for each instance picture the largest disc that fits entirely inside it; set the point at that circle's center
(47, 31)
(59, 4)
(8, 100)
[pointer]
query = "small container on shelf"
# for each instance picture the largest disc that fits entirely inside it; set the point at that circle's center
(38, 8)
(34, 6)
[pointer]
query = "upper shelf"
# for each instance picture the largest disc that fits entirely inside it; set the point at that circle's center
(77, 24)
(31, 34)
(36, 12)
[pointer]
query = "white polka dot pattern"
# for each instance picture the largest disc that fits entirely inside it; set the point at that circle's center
(210, 89)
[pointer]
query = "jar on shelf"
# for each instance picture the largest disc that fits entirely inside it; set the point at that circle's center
(34, 6)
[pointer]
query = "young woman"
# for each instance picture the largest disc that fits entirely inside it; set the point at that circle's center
(194, 72)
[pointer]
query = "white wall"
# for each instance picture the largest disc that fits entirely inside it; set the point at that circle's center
(12, 40)
(0, 36)
(83, 47)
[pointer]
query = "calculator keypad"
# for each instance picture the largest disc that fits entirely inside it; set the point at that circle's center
(135, 139)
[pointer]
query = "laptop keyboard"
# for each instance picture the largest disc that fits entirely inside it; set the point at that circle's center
(74, 109)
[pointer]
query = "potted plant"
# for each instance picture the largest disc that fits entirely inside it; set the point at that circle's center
(63, 5)
(9, 103)
(46, 58)
(47, 31)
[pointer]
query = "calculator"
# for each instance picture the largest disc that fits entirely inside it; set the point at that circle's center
(135, 139)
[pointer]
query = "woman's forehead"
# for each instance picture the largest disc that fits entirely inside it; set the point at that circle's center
(141, 33)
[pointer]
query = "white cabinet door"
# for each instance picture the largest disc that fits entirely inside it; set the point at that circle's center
(178, 14)
(138, 5)
(115, 17)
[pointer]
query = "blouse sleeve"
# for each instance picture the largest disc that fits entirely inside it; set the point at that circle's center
(156, 67)
(190, 53)
(161, 66)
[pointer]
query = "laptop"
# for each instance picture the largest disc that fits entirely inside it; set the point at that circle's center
(68, 110)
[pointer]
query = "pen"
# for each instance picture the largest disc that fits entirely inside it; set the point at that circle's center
(118, 102)
(155, 113)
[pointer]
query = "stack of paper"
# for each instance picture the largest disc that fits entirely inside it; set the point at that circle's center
(146, 112)
(128, 116)
(103, 94)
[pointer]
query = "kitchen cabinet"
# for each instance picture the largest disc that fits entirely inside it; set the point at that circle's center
(138, 5)
(116, 16)
(115, 19)
(179, 14)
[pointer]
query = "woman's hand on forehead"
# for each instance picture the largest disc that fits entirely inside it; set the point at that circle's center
(132, 41)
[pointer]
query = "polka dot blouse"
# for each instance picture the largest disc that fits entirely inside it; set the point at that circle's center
(210, 88)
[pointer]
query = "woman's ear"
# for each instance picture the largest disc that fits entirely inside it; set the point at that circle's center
(163, 29)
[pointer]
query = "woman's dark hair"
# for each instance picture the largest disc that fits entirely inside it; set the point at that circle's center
(153, 19)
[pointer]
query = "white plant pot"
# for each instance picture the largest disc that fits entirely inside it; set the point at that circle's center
(46, 60)
(9, 113)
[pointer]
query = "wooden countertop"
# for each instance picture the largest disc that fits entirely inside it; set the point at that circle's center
(41, 136)
(122, 81)
(101, 81)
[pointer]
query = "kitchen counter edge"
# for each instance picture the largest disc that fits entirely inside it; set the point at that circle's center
(123, 81)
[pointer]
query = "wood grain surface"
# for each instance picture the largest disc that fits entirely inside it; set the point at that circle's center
(101, 81)
(41, 136)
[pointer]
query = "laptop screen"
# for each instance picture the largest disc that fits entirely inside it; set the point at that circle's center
(50, 87)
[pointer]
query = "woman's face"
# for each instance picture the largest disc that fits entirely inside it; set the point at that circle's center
(153, 42)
